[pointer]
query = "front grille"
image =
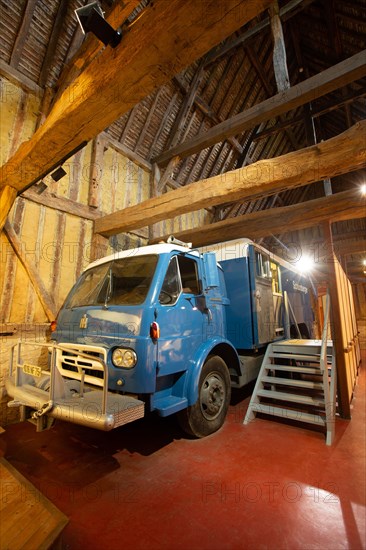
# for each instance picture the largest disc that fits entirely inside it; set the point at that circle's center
(71, 363)
(90, 372)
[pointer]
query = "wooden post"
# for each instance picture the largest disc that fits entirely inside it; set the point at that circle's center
(337, 319)
(7, 197)
(279, 49)
(96, 171)
(99, 246)
(154, 192)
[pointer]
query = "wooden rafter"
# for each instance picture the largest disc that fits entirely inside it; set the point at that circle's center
(340, 154)
(150, 115)
(188, 101)
(52, 42)
(23, 33)
(163, 122)
(321, 84)
(274, 221)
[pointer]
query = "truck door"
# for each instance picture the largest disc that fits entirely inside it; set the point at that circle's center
(180, 314)
(263, 308)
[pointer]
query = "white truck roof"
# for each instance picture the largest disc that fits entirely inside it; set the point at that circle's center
(162, 248)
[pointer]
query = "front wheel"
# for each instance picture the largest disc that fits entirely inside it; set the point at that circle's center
(208, 414)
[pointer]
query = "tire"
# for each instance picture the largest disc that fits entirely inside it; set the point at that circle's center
(208, 414)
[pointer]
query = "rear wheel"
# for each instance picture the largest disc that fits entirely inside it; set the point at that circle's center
(208, 414)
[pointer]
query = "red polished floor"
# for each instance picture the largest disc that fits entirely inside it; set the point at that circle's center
(265, 485)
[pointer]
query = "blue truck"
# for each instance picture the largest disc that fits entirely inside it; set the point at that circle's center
(163, 328)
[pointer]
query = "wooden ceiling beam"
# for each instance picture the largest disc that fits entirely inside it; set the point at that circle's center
(315, 113)
(316, 86)
(338, 155)
(274, 221)
(167, 38)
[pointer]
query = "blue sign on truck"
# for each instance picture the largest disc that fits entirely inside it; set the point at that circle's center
(163, 328)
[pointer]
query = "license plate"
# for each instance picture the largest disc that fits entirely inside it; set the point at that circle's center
(32, 369)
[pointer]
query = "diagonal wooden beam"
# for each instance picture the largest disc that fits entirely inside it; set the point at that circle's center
(316, 86)
(274, 221)
(168, 37)
(341, 154)
(186, 106)
(33, 273)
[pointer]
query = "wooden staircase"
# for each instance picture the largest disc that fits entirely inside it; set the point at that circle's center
(297, 381)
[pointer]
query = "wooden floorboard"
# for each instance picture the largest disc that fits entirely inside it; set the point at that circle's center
(28, 519)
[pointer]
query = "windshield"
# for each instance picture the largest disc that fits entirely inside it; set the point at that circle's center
(121, 282)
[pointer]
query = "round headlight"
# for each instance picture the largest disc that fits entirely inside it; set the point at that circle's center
(126, 358)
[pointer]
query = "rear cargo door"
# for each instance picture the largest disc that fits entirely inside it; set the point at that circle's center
(264, 326)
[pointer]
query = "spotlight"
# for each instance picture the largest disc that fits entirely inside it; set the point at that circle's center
(91, 19)
(363, 189)
(58, 174)
(305, 264)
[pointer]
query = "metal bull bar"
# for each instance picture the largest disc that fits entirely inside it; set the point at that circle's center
(71, 395)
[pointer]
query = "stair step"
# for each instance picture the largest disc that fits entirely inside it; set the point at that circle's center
(289, 414)
(293, 397)
(291, 382)
(296, 356)
(289, 368)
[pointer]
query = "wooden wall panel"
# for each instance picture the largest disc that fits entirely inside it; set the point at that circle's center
(18, 117)
(349, 329)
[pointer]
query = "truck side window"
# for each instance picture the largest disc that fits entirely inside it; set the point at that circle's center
(171, 286)
(188, 274)
(262, 265)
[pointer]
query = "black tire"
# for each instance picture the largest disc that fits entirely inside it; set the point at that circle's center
(208, 414)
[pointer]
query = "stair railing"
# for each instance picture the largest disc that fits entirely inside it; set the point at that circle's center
(329, 388)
